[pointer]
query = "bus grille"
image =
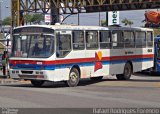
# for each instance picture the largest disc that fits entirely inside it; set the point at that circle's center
(27, 76)
(27, 72)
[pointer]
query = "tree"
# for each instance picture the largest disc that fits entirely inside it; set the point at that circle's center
(127, 22)
(37, 18)
(103, 22)
(130, 23)
(7, 21)
(28, 18)
(33, 18)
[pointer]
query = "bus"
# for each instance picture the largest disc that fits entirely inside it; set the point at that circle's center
(156, 68)
(69, 53)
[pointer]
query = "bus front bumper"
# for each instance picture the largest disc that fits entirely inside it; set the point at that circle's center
(31, 74)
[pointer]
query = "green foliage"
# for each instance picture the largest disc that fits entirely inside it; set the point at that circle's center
(156, 32)
(127, 22)
(7, 21)
(37, 18)
(28, 18)
(33, 18)
(103, 22)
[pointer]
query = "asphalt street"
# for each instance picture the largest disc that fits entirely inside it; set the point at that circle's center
(142, 91)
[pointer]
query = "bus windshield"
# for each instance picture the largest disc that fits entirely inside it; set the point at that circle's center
(33, 45)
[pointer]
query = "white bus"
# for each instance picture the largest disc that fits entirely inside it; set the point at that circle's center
(69, 53)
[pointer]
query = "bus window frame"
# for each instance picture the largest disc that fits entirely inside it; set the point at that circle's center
(107, 47)
(151, 39)
(133, 33)
(140, 46)
(72, 42)
(58, 50)
(97, 42)
(117, 47)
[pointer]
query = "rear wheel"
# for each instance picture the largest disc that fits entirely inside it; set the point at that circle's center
(126, 73)
(74, 78)
(37, 83)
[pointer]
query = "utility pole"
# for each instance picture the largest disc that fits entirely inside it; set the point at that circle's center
(0, 15)
(99, 19)
(78, 19)
(107, 18)
(54, 14)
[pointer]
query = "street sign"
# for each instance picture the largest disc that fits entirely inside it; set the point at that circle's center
(113, 18)
(47, 18)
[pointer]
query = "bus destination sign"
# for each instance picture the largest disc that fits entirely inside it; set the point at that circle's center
(37, 30)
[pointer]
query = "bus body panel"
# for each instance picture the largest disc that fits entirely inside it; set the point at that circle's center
(99, 66)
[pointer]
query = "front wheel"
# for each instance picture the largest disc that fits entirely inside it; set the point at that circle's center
(37, 83)
(126, 73)
(74, 77)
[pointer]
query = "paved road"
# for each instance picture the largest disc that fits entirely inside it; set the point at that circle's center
(140, 91)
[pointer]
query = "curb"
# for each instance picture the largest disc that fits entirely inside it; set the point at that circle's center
(8, 81)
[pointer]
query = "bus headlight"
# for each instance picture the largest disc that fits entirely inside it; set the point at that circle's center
(39, 72)
(13, 72)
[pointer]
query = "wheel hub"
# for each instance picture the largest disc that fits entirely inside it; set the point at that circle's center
(73, 77)
(127, 71)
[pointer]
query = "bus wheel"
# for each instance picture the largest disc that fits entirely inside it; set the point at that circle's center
(126, 73)
(73, 78)
(37, 83)
(96, 78)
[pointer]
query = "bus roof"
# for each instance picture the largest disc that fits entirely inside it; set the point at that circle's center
(76, 27)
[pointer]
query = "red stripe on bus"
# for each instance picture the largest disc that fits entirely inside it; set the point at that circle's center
(80, 60)
(131, 57)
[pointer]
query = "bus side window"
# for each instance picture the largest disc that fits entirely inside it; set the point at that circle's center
(104, 39)
(117, 39)
(149, 39)
(114, 39)
(92, 39)
(78, 40)
(129, 39)
(140, 39)
(63, 45)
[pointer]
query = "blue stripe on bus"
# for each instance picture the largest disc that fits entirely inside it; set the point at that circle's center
(53, 67)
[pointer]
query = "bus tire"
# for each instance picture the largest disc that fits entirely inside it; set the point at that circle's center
(96, 78)
(37, 83)
(74, 77)
(126, 73)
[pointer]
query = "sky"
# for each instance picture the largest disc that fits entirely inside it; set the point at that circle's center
(137, 16)
(90, 18)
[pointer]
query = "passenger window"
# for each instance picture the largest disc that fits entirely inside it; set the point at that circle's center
(105, 38)
(140, 39)
(92, 40)
(63, 45)
(78, 40)
(117, 39)
(129, 39)
(149, 39)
